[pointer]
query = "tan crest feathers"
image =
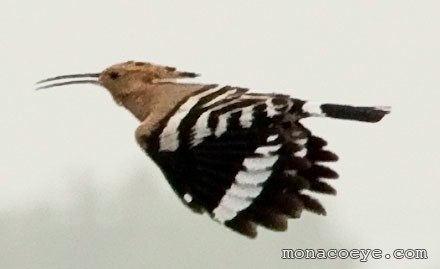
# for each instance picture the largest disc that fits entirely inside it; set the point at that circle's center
(152, 72)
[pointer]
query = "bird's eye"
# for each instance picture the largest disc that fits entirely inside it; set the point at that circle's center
(113, 75)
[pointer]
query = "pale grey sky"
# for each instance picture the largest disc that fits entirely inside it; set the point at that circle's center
(77, 192)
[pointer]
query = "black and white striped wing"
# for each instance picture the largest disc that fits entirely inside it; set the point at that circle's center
(243, 158)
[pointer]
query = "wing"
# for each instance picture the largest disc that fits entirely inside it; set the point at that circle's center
(243, 158)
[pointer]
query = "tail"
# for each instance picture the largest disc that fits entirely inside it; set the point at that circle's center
(359, 113)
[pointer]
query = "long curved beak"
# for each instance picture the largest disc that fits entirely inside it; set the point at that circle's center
(67, 80)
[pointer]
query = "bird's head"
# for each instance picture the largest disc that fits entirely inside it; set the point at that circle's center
(120, 79)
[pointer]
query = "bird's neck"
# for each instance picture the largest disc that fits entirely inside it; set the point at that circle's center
(155, 101)
(137, 102)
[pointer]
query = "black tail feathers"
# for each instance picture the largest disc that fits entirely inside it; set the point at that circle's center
(346, 112)
(359, 113)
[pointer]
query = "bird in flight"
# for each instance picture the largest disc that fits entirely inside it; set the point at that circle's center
(243, 158)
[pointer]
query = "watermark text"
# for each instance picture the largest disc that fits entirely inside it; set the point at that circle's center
(355, 254)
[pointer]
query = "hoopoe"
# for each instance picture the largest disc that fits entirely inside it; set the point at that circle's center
(244, 158)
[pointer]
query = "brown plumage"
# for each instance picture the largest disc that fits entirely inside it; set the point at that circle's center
(243, 158)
